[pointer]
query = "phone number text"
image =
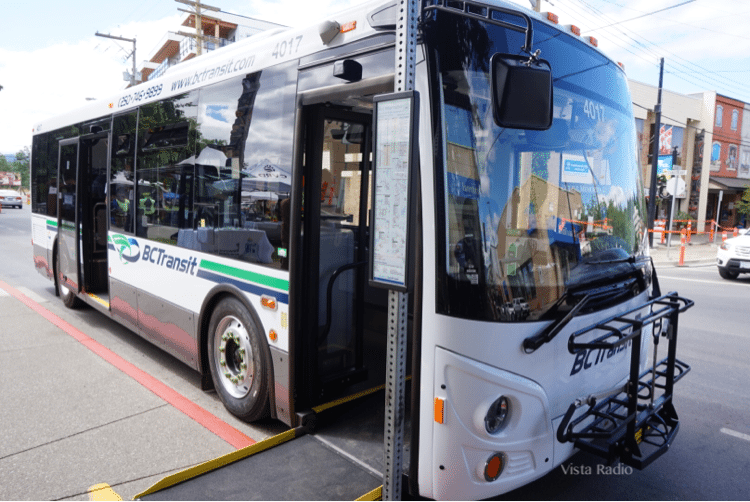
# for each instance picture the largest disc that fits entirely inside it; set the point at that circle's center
(140, 95)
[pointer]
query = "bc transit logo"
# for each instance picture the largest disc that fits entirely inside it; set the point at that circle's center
(126, 247)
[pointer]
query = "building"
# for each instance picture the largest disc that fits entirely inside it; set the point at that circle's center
(685, 120)
(219, 29)
(708, 136)
(10, 180)
(729, 160)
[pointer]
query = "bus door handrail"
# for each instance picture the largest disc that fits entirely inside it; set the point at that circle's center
(329, 296)
(99, 246)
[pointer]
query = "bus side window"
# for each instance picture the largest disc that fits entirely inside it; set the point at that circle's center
(166, 143)
(243, 170)
(121, 172)
(44, 183)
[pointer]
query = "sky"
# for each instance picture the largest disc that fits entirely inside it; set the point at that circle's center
(51, 61)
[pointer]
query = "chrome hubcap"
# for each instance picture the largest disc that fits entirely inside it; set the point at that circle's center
(234, 356)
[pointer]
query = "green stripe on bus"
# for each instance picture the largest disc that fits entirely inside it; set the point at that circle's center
(52, 223)
(246, 275)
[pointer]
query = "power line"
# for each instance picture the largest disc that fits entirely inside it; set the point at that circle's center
(624, 47)
(742, 87)
(134, 76)
(644, 15)
(695, 77)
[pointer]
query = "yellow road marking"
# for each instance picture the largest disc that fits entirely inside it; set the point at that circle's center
(103, 491)
(323, 407)
(376, 494)
(210, 465)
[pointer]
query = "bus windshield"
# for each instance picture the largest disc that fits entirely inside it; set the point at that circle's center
(528, 216)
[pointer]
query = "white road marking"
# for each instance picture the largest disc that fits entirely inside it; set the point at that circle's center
(718, 281)
(349, 456)
(3, 292)
(736, 434)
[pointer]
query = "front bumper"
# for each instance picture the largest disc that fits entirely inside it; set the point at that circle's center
(734, 265)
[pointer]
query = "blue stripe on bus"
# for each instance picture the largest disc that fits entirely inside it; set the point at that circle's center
(244, 286)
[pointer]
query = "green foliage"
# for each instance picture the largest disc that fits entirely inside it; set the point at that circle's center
(20, 165)
(682, 218)
(682, 215)
(743, 206)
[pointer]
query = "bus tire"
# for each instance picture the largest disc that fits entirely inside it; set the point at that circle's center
(67, 295)
(236, 355)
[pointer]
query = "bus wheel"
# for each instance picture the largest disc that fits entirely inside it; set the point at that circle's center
(238, 366)
(67, 295)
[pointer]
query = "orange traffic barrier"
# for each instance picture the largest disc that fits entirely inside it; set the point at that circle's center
(683, 237)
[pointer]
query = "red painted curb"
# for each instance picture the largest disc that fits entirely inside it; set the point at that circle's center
(214, 424)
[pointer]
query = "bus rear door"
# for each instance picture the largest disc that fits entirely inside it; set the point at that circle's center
(66, 261)
(81, 259)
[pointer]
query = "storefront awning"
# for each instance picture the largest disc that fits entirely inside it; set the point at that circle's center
(732, 184)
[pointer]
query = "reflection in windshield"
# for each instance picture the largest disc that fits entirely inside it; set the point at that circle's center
(532, 215)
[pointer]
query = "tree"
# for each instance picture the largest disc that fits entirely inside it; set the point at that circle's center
(743, 206)
(21, 166)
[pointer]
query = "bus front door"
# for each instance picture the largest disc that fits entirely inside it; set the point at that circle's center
(336, 310)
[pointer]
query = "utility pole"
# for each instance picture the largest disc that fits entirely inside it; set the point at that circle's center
(197, 5)
(134, 76)
(655, 160)
(673, 200)
(536, 5)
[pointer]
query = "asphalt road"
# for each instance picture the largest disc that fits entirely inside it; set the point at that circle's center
(710, 457)
(70, 420)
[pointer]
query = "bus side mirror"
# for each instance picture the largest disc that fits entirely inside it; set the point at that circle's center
(521, 92)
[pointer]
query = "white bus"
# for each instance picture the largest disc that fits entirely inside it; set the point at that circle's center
(222, 212)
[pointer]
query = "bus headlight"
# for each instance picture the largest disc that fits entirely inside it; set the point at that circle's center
(497, 415)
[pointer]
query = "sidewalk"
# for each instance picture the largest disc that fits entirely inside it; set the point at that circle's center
(75, 414)
(700, 252)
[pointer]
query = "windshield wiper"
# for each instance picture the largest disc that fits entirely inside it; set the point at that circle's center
(632, 259)
(629, 259)
(609, 292)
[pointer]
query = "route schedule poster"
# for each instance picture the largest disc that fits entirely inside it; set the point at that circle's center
(394, 127)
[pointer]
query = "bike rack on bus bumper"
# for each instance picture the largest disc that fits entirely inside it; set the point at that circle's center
(634, 425)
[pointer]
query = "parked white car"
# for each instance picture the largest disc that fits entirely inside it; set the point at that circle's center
(11, 198)
(733, 257)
